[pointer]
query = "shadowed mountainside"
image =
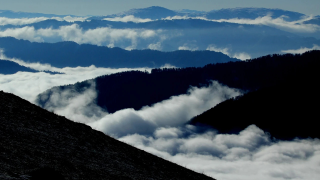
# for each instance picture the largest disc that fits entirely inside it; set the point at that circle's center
(136, 89)
(35, 141)
(286, 110)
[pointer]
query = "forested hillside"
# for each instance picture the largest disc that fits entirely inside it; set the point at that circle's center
(136, 89)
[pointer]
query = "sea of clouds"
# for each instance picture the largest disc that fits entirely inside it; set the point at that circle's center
(161, 129)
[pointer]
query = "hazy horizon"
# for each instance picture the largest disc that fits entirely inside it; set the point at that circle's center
(99, 7)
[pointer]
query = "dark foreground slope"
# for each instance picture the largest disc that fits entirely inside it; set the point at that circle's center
(137, 89)
(287, 110)
(33, 140)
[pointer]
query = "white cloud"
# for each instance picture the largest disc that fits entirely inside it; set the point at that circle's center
(129, 18)
(280, 22)
(25, 21)
(172, 112)
(98, 36)
(249, 155)
(28, 85)
(188, 47)
(156, 46)
(242, 55)
(26, 33)
(301, 50)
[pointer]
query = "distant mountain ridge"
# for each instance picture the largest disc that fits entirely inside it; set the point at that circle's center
(157, 12)
(15, 14)
(37, 144)
(71, 54)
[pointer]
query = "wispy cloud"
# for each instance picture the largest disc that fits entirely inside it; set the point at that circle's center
(242, 55)
(280, 22)
(301, 50)
(25, 21)
(129, 18)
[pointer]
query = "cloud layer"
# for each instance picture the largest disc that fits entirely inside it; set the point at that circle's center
(29, 85)
(25, 21)
(301, 50)
(161, 130)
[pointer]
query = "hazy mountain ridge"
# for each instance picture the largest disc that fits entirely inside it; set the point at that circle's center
(156, 12)
(33, 138)
(137, 89)
(71, 54)
(15, 14)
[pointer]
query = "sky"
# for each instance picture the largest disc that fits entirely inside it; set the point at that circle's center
(106, 7)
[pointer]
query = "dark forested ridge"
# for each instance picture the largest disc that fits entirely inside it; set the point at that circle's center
(286, 110)
(136, 89)
(71, 54)
(36, 145)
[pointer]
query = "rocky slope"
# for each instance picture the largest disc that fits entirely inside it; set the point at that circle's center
(37, 144)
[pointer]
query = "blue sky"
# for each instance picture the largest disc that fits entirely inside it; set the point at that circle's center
(105, 7)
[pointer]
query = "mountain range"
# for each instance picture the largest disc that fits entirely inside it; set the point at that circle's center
(156, 12)
(71, 54)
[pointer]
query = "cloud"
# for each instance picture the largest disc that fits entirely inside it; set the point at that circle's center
(172, 112)
(80, 107)
(301, 50)
(249, 155)
(160, 129)
(188, 47)
(156, 46)
(28, 85)
(26, 33)
(99, 36)
(25, 21)
(242, 55)
(129, 18)
(280, 22)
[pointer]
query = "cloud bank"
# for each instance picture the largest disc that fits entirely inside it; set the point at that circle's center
(99, 36)
(25, 21)
(280, 22)
(301, 50)
(28, 85)
(160, 129)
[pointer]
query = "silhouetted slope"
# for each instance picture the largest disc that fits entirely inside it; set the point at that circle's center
(9, 67)
(286, 110)
(71, 54)
(35, 141)
(136, 89)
